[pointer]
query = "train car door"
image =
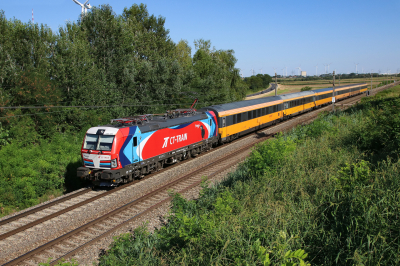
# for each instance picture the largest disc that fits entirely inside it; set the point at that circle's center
(223, 121)
(285, 107)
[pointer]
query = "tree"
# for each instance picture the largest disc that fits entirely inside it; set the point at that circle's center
(183, 54)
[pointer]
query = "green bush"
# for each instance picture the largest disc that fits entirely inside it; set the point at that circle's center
(36, 172)
(306, 88)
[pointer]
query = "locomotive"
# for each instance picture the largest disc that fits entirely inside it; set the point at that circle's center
(131, 147)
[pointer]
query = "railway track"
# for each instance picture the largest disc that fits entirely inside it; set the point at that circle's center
(69, 244)
(72, 242)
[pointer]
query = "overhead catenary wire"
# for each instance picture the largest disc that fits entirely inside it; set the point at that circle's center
(93, 107)
(84, 106)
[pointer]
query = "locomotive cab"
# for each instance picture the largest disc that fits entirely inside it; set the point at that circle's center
(98, 152)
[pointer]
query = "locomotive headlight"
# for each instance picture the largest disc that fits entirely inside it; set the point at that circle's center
(114, 163)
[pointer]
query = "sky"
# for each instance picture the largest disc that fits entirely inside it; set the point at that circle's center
(267, 36)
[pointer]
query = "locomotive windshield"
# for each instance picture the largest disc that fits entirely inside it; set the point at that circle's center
(98, 142)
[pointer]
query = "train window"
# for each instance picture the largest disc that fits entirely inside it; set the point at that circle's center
(134, 141)
(239, 118)
(234, 119)
(263, 111)
(254, 113)
(91, 141)
(105, 143)
(259, 113)
(249, 113)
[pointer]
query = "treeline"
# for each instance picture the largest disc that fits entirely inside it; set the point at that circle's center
(55, 85)
(258, 82)
(127, 61)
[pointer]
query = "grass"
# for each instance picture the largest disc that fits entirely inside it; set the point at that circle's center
(326, 193)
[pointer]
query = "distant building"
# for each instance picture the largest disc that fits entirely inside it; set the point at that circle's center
(303, 74)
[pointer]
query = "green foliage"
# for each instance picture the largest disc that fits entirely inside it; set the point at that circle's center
(279, 249)
(356, 174)
(62, 263)
(306, 88)
(267, 155)
(36, 172)
(258, 82)
(4, 136)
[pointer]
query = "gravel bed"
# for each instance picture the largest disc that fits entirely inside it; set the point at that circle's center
(43, 203)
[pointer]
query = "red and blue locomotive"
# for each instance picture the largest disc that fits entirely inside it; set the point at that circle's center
(131, 147)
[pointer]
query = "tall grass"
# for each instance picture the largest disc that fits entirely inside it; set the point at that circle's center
(331, 189)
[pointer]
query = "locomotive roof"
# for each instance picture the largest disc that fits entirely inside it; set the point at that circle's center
(159, 122)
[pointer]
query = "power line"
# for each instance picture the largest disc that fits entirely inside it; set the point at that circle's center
(84, 106)
(33, 114)
(6, 117)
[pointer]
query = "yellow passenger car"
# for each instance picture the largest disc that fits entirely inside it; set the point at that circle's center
(239, 118)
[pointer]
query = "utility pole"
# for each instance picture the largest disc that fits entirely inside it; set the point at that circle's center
(371, 81)
(276, 84)
(333, 93)
(339, 79)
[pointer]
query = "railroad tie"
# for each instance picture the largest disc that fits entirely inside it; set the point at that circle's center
(70, 243)
(53, 253)
(87, 234)
(30, 263)
(96, 230)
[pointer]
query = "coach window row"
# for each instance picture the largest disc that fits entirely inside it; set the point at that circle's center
(245, 116)
(323, 96)
(301, 101)
(343, 91)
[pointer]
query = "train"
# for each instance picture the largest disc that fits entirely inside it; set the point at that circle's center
(129, 148)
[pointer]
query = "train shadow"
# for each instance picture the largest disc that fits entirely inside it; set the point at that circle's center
(260, 135)
(71, 181)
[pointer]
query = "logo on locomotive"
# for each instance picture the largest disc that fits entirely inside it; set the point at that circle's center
(174, 139)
